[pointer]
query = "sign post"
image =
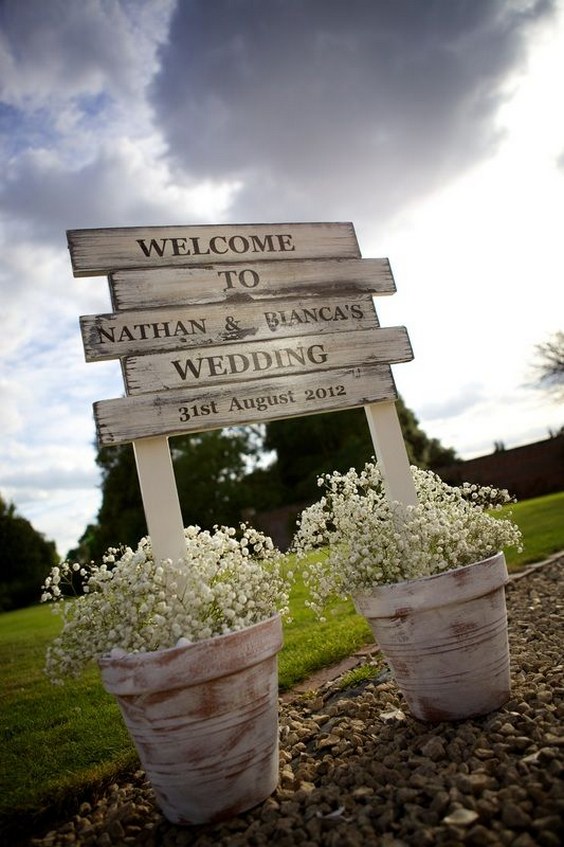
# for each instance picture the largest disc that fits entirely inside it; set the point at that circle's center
(160, 497)
(225, 325)
(389, 447)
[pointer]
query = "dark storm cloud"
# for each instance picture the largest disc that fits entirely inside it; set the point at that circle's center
(50, 199)
(327, 108)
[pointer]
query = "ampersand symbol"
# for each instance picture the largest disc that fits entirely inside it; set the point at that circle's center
(231, 325)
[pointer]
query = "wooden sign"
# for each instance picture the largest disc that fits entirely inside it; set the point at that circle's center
(128, 333)
(217, 364)
(229, 325)
(99, 251)
(217, 283)
(195, 410)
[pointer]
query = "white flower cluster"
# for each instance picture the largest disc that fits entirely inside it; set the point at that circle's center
(131, 603)
(364, 540)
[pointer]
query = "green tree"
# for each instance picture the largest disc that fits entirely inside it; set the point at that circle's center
(309, 446)
(26, 558)
(550, 364)
(210, 470)
(120, 519)
(219, 481)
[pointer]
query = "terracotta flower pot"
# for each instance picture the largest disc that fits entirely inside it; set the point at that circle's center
(204, 720)
(445, 639)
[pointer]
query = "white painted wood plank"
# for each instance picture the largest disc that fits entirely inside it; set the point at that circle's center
(99, 251)
(141, 288)
(390, 451)
(194, 410)
(112, 336)
(216, 364)
(160, 497)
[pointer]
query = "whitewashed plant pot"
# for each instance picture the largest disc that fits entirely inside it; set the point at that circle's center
(204, 720)
(445, 639)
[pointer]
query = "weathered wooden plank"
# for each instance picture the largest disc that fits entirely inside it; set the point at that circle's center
(194, 410)
(99, 251)
(213, 365)
(312, 278)
(121, 334)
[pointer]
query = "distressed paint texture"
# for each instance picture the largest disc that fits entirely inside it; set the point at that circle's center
(445, 638)
(204, 720)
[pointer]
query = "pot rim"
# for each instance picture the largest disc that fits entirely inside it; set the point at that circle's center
(204, 641)
(460, 584)
(191, 664)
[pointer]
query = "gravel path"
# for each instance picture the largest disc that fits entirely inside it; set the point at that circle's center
(355, 769)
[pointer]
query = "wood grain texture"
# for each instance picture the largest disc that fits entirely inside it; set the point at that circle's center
(214, 283)
(99, 251)
(146, 331)
(195, 410)
(216, 364)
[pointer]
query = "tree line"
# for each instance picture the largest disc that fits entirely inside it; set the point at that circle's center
(223, 475)
(25, 559)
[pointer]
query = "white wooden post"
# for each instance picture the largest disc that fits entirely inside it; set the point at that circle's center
(160, 497)
(390, 451)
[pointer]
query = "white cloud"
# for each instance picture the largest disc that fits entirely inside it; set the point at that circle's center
(62, 50)
(469, 395)
(435, 129)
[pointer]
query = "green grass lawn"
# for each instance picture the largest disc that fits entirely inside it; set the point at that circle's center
(57, 742)
(541, 521)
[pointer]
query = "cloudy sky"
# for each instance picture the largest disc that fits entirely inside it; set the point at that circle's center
(435, 126)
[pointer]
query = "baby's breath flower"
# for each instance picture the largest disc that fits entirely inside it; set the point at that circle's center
(131, 604)
(369, 540)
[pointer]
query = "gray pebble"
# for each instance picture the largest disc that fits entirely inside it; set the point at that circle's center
(356, 770)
